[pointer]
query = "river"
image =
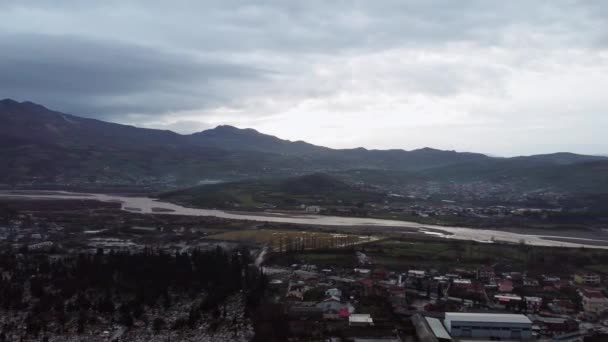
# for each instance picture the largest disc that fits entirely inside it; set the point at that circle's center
(147, 205)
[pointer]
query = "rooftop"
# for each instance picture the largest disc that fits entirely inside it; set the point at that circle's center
(437, 328)
(360, 318)
(592, 293)
(486, 317)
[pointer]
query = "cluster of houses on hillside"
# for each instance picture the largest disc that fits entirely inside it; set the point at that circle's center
(373, 303)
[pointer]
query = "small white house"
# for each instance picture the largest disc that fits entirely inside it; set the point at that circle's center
(313, 209)
(360, 320)
(416, 274)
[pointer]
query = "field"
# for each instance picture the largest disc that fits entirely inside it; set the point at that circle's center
(443, 255)
(293, 240)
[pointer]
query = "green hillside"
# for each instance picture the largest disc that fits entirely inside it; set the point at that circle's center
(314, 189)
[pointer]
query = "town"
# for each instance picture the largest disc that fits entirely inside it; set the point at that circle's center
(303, 171)
(370, 303)
(320, 284)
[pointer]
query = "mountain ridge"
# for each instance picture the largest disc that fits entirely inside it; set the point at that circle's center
(207, 136)
(42, 145)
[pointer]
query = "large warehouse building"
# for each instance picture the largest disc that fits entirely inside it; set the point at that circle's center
(486, 325)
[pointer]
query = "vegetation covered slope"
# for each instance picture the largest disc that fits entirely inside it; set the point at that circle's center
(311, 189)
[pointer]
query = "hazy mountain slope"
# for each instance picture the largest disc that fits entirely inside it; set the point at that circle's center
(561, 158)
(41, 145)
(232, 138)
(38, 124)
(590, 177)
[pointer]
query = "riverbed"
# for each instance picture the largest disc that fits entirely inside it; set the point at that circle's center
(147, 205)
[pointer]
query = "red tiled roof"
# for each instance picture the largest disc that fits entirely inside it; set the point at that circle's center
(505, 286)
(592, 293)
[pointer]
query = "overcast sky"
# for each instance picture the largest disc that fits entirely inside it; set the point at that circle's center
(499, 77)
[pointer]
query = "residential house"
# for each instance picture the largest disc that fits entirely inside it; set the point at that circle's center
(333, 293)
(583, 278)
(533, 303)
(531, 282)
(360, 320)
(305, 311)
(594, 301)
(416, 274)
(505, 285)
(554, 325)
(295, 295)
(485, 273)
(379, 274)
(313, 209)
(333, 309)
(562, 306)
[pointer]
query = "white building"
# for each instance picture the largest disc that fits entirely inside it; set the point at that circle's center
(486, 325)
(416, 274)
(363, 271)
(41, 245)
(313, 209)
(360, 320)
(462, 282)
(587, 279)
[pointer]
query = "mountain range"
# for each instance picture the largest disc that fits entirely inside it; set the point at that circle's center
(42, 146)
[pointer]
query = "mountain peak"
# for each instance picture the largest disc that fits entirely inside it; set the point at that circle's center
(226, 128)
(25, 105)
(233, 129)
(248, 139)
(8, 101)
(428, 150)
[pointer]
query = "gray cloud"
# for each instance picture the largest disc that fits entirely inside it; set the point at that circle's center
(285, 66)
(317, 25)
(106, 78)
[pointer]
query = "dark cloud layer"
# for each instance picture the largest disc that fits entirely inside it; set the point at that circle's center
(106, 78)
(443, 70)
(72, 69)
